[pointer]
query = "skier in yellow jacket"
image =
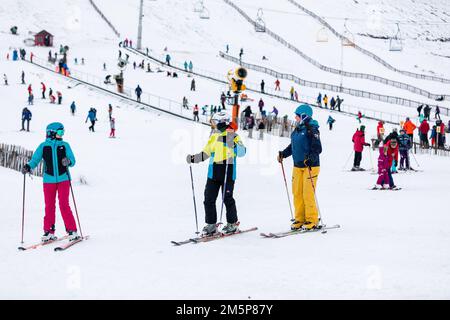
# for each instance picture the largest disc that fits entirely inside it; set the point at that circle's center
(223, 147)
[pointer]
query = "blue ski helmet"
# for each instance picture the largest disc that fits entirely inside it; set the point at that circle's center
(55, 128)
(304, 109)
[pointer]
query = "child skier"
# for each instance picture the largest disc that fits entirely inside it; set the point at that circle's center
(392, 152)
(383, 168)
(112, 123)
(330, 122)
(223, 147)
(404, 146)
(57, 156)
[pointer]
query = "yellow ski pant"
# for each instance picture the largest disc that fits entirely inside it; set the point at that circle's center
(303, 191)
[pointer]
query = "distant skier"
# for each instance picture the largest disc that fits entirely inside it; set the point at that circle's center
(330, 122)
(110, 111)
(186, 66)
(57, 156)
(223, 147)
(419, 110)
(409, 128)
(168, 59)
(112, 123)
(262, 86)
(73, 108)
(339, 103)
(437, 113)
(359, 116)
(426, 112)
(305, 148)
(92, 117)
(223, 99)
(359, 143)
(30, 99)
(277, 85)
(138, 92)
(423, 131)
(325, 101)
(193, 85)
(44, 89)
(26, 116)
(191, 66)
(59, 95)
(185, 103)
(332, 103)
(23, 77)
(195, 113)
(291, 91)
(319, 100)
(261, 105)
(5, 79)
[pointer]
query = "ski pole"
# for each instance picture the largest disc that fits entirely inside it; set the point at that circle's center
(371, 160)
(74, 203)
(23, 206)
(315, 196)
(418, 165)
(224, 190)
(193, 197)
(348, 159)
(287, 191)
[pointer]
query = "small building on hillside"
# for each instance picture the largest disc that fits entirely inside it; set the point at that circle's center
(43, 38)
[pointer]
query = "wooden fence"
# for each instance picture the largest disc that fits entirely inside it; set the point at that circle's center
(15, 157)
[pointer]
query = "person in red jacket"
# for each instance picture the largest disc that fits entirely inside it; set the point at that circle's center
(380, 132)
(358, 145)
(392, 152)
(423, 130)
(44, 88)
(277, 85)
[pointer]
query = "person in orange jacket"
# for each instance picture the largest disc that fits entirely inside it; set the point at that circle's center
(409, 128)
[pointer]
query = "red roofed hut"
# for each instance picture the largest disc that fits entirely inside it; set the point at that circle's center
(43, 38)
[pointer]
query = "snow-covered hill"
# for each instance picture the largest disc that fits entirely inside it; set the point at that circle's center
(138, 194)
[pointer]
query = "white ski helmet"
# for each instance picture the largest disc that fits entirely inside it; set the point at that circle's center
(221, 117)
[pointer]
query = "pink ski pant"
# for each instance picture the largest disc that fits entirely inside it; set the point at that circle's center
(63, 190)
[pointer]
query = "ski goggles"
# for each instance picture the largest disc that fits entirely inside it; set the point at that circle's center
(60, 132)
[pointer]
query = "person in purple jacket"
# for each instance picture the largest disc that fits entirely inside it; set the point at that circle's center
(383, 168)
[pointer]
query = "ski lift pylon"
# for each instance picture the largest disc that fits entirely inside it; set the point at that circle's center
(260, 25)
(396, 43)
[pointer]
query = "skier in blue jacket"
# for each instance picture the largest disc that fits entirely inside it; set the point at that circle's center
(26, 116)
(57, 156)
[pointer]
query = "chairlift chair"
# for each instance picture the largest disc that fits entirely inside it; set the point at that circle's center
(348, 40)
(396, 43)
(198, 7)
(204, 14)
(260, 25)
(322, 35)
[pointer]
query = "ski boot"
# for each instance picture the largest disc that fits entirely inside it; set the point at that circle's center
(296, 225)
(209, 230)
(308, 226)
(230, 228)
(73, 235)
(48, 237)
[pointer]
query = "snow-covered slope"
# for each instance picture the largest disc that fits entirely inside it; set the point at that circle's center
(138, 193)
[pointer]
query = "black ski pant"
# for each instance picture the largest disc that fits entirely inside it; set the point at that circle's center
(23, 125)
(358, 158)
(211, 192)
(91, 128)
(404, 159)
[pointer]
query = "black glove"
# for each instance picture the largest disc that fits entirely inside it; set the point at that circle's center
(190, 158)
(26, 169)
(308, 162)
(367, 144)
(65, 162)
(280, 156)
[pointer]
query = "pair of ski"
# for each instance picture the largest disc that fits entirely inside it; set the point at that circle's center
(213, 237)
(322, 229)
(63, 247)
(384, 189)
(217, 236)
